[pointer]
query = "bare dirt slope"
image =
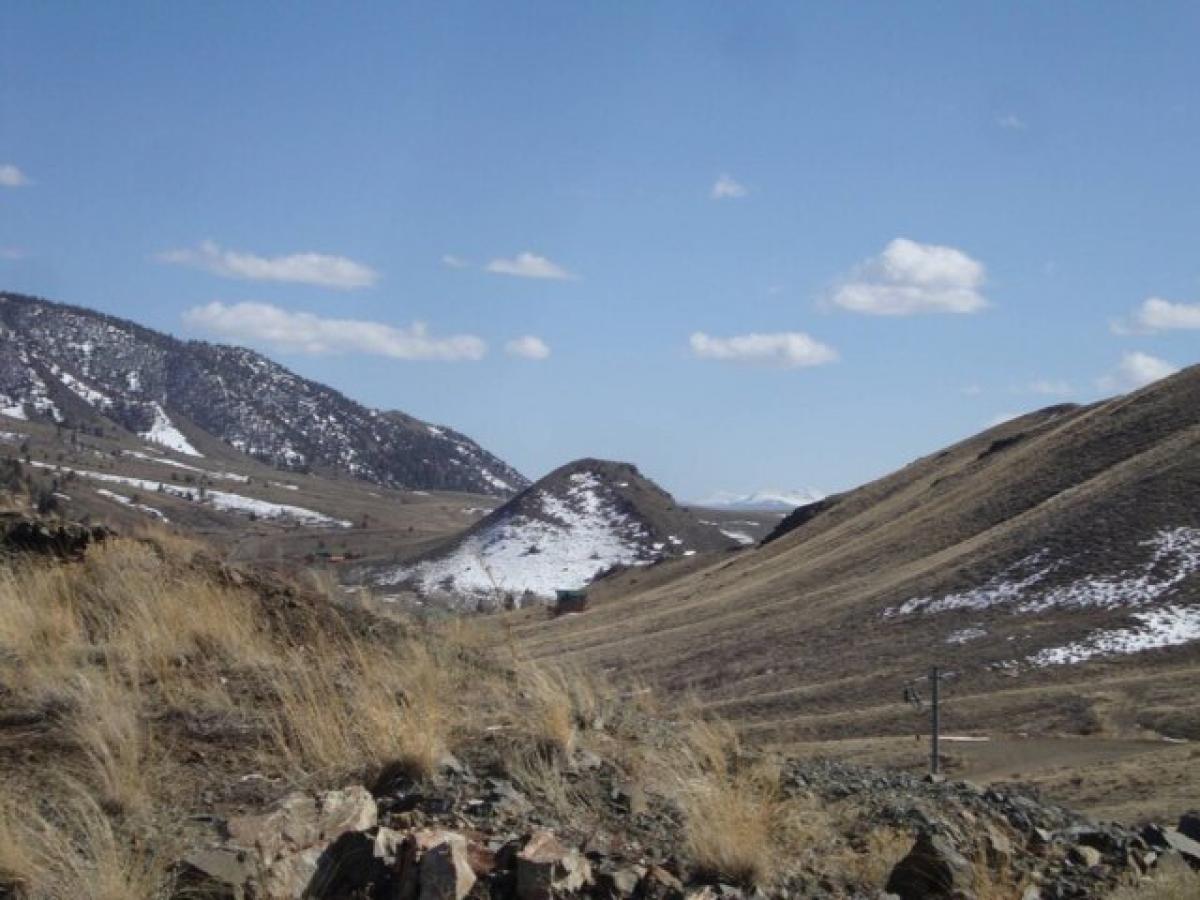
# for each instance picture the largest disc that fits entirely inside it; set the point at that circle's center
(1048, 564)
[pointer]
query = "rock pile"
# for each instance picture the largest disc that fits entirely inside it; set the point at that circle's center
(481, 837)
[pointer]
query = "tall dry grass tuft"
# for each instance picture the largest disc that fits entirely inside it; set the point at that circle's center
(169, 543)
(42, 636)
(550, 716)
(71, 850)
(730, 824)
(118, 753)
(18, 859)
(348, 706)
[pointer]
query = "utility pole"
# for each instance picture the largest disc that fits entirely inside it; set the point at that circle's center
(913, 696)
(934, 720)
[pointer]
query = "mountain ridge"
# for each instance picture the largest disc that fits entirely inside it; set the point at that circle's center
(79, 368)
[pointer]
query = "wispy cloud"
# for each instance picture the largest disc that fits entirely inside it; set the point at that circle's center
(529, 265)
(302, 332)
(970, 390)
(1136, 370)
(12, 177)
(727, 188)
(319, 269)
(910, 278)
(450, 261)
(12, 254)
(786, 349)
(1156, 314)
(1012, 122)
(527, 347)
(1050, 387)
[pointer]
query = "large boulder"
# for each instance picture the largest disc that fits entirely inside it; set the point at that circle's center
(1168, 839)
(277, 855)
(932, 870)
(434, 865)
(546, 868)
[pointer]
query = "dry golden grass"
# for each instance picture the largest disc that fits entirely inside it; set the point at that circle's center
(869, 863)
(118, 755)
(731, 824)
(1172, 880)
(42, 636)
(171, 544)
(72, 850)
(345, 707)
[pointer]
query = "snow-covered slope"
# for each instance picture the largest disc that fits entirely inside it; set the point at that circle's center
(85, 370)
(769, 500)
(561, 533)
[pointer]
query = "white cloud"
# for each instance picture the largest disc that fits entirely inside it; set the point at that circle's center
(11, 254)
(1012, 122)
(970, 390)
(301, 268)
(1136, 370)
(1157, 314)
(301, 332)
(11, 176)
(527, 347)
(909, 278)
(529, 265)
(727, 188)
(450, 261)
(1051, 387)
(788, 349)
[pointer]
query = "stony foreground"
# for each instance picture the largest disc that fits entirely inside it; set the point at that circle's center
(472, 835)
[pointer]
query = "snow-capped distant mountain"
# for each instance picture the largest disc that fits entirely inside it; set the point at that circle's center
(765, 500)
(84, 370)
(578, 521)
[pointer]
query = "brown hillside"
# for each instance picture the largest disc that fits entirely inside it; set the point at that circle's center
(792, 639)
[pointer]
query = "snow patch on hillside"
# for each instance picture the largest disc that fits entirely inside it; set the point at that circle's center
(175, 464)
(164, 432)
(576, 536)
(84, 392)
(128, 501)
(740, 536)
(14, 409)
(219, 500)
(1168, 626)
(1174, 555)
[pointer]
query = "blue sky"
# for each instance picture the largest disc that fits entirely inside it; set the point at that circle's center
(763, 244)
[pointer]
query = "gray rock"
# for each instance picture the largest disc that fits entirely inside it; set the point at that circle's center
(445, 870)
(546, 868)
(659, 884)
(932, 870)
(276, 855)
(1170, 839)
(1189, 825)
(617, 882)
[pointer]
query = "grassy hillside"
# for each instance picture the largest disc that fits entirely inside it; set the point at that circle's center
(1031, 537)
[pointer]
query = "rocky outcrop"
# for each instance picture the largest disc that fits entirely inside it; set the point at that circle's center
(66, 540)
(461, 836)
